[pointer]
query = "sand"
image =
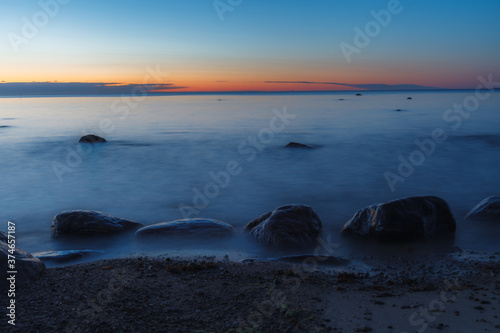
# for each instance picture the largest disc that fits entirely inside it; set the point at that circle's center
(453, 292)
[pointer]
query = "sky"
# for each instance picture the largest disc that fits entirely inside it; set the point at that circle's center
(114, 46)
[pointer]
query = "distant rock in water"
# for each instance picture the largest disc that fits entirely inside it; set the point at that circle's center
(91, 138)
(341, 99)
(409, 98)
(4, 126)
(298, 145)
(359, 95)
(399, 110)
(65, 255)
(187, 226)
(413, 218)
(27, 267)
(286, 226)
(488, 209)
(89, 223)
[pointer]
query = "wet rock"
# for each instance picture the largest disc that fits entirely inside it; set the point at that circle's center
(359, 95)
(88, 223)
(91, 138)
(413, 218)
(286, 226)
(27, 267)
(63, 256)
(409, 98)
(187, 226)
(488, 209)
(298, 145)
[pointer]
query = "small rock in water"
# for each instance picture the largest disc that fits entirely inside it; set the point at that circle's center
(88, 223)
(65, 255)
(488, 209)
(359, 95)
(186, 226)
(409, 98)
(298, 145)
(286, 226)
(91, 138)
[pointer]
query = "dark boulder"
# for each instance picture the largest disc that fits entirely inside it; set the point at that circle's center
(359, 95)
(286, 226)
(298, 145)
(89, 223)
(27, 267)
(65, 255)
(91, 138)
(187, 226)
(488, 209)
(409, 98)
(413, 218)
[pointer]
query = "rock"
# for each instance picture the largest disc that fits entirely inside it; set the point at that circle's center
(27, 267)
(91, 138)
(359, 95)
(298, 145)
(88, 223)
(413, 218)
(409, 98)
(187, 226)
(63, 256)
(341, 99)
(488, 209)
(286, 226)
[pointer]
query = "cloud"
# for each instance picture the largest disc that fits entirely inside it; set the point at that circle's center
(80, 88)
(371, 86)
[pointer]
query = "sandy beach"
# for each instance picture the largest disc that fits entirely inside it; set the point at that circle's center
(452, 292)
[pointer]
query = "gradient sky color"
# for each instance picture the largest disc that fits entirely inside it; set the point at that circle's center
(260, 45)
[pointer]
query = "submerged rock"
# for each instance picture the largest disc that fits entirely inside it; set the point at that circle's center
(91, 138)
(413, 218)
(488, 209)
(359, 95)
(88, 223)
(27, 267)
(298, 145)
(286, 226)
(65, 255)
(186, 226)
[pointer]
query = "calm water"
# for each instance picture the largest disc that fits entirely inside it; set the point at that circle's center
(162, 148)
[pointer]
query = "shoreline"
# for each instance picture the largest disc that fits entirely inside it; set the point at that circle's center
(444, 292)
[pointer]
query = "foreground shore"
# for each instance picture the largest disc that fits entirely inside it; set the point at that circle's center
(449, 292)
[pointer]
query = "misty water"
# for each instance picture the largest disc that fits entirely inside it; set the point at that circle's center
(162, 150)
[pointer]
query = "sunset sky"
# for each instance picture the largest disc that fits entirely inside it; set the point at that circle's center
(257, 45)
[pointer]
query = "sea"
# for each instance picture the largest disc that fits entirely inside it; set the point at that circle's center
(223, 156)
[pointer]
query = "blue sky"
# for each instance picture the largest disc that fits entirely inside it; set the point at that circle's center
(442, 43)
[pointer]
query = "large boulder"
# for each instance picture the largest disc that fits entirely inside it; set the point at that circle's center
(413, 218)
(186, 226)
(27, 267)
(91, 138)
(89, 223)
(488, 209)
(286, 226)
